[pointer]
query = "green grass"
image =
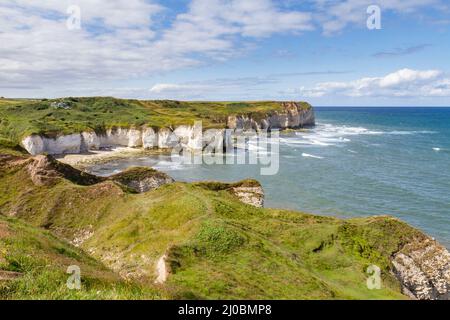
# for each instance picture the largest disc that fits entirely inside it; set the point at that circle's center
(135, 173)
(217, 247)
(42, 261)
(8, 146)
(19, 118)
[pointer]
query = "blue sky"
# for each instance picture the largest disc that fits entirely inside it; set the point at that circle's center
(318, 50)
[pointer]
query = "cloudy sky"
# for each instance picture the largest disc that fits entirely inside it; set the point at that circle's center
(316, 50)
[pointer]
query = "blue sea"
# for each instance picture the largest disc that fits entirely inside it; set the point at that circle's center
(355, 162)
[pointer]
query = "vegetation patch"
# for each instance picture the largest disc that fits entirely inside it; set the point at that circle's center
(8, 146)
(377, 239)
(21, 118)
(219, 186)
(34, 266)
(217, 247)
(137, 173)
(215, 239)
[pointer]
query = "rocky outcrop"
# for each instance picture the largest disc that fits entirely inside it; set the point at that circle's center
(82, 235)
(253, 196)
(190, 137)
(142, 179)
(44, 170)
(423, 269)
(247, 191)
(293, 116)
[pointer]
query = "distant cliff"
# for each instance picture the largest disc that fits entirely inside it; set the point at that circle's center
(292, 116)
(248, 116)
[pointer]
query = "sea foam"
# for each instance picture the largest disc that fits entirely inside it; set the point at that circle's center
(307, 155)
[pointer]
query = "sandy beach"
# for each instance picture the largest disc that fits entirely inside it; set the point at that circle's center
(100, 156)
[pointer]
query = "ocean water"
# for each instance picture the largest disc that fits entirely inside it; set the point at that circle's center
(355, 162)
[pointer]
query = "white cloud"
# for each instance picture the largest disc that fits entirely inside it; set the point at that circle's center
(170, 88)
(119, 39)
(402, 83)
(336, 15)
(408, 76)
(125, 39)
(116, 13)
(220, 88)
(39, 48)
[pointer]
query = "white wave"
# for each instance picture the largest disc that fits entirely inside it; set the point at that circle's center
(168, 165)
(437, 149)
(330, 130)
(330, 135)
(307, 155)
(325, 134)
(257, 148)
(396, 132)
(265, 153)
(307, 141)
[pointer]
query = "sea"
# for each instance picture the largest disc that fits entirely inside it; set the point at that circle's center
(356, 162)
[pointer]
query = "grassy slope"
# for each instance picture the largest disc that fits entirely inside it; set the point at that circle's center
(42, 261)
(19, 118)
(218, 247)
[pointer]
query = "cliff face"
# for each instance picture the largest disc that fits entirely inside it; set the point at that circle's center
(191, 137)
(423, 269)
(293, 116)
(85, 141)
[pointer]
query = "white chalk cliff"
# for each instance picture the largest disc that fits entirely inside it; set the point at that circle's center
(293, 116)
(186, 136)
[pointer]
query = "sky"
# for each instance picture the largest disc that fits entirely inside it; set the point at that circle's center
(326, 52)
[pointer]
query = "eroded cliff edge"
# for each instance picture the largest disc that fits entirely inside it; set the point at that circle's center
(285, 115)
